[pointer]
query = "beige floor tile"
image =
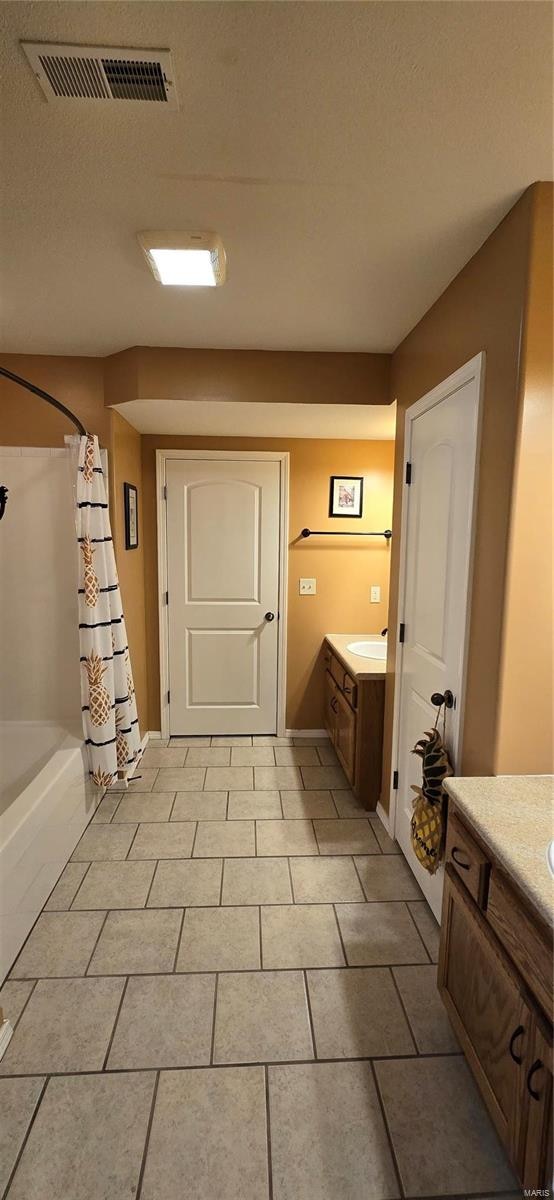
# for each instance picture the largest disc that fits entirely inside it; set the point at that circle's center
(150, 806)
(143, 781)
(261, 1016)
(209, 756)
(226, 839)
(18, 1101)
(66, 888)
(208, 1138)
(87, 1140)
(256, 881)
(187, 883)
(357, 1014)
(328, 1138)
(300, 936)
(237, 779)
(253, 756)
(232, 740)
(190, 741)
(115, 885)
(428, 927)
(387, 877)
(172, 840)
(307, 804)
(252, 805)
(345, 836)
(323, 777)
(220, 939)
(285, 837)
(66, 1026)
(104, 843)
(200, 806)
(61, 943)
(137, 941)
(165, 1021)
(457, 1150)
(325, 881)
(271, 778)
(348, 805)
(106, 809)
(271, 740)
(296, 756)
(181, 779)
(166, 756)
(381, 933)
(426, 1012)
(387, 844)
(326, 756)
(14, 995)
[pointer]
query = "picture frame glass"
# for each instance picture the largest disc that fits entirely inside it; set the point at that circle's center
(346, 496)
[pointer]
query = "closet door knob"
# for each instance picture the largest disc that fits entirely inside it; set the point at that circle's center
(269, 616)
(447, 699)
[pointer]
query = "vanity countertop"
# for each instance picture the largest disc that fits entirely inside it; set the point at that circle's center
(513, 816)
(361, 668)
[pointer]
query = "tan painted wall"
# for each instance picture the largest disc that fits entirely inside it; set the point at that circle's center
(482, 309)
(127, 468)
(344, 570)
(525, 721)
(25, 420)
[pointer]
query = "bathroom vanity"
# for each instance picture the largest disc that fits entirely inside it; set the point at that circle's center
(496, 964)
(353, 710)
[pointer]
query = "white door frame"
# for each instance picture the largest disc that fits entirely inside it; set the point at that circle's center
(283, 458)
(474, 369)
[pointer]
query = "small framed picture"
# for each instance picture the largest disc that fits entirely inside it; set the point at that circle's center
(346, 496)
(131, 516)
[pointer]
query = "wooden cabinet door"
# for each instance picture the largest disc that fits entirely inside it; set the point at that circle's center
(345, 737)
(330, 706)
(483, 999)
(536, 1151)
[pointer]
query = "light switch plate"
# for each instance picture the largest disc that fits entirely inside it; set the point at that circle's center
(307, 587)
(375, 594)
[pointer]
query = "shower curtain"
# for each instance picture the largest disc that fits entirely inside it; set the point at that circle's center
(110, 721)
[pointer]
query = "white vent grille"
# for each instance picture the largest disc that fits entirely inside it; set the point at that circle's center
(103, 73)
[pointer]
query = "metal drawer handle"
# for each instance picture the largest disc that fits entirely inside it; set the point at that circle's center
(538, 1063)
(515, 1035)
(465, 866)
(347, 689)
(334, 703)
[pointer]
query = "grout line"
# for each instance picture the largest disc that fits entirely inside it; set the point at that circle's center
(334, 907)
(26, 1137)
(84, 975)
(119, 1007)
(268, 1135)
(364, 893)
(177, 948)
(219, 905)
(404, 1009)
(387, 1130)
(417, 928)
(212, 1043)
(148, 1132)
(310, 1016)
(171, 811)
(280, 795)
(290, 881)
(151, 885)
(223, 970)
(132, 842)
(227, 805)
(72, 902)
(260, 937)
(196, 824)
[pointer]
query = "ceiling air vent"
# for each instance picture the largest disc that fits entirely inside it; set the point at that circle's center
(103, 73)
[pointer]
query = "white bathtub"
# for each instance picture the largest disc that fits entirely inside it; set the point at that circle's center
(46, 800)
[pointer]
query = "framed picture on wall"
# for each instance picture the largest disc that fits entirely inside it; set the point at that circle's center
(346, 496)
(131, 516)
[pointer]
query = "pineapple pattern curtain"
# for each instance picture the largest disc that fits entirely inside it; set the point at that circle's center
(110, 721)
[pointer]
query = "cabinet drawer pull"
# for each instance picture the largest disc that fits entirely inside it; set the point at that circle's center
(465, 866)
(538, 1063)
(334, 703)
(515, 1035)
(347, 689)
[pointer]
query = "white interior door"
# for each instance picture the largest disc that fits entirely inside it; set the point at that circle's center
(441, 448)
(223, 590)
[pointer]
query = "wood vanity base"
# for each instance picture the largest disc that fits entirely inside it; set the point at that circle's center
(353, 717)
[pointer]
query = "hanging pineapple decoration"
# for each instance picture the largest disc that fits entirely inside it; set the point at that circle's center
(99, 699)
(88, 466)
(121, 744)
(92, 587)
(130, 684)
(102, 779)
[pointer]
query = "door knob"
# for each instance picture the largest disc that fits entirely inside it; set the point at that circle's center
(269, 616)
(447, 699)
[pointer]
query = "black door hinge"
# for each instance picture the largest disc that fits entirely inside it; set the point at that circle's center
(408, 472)
(166, 597)
(164, 491)
(401, 632)
(168, 697)
(395, 781)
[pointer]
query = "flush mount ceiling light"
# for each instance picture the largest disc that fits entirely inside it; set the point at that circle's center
(184, 259)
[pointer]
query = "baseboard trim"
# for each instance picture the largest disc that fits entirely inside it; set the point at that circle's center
(384, 817)
(154, 735)
(306, 733)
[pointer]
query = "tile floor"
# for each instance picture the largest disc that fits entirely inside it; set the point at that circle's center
(230, 995)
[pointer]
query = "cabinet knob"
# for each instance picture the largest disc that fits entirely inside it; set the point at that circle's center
(538, 1063)
(515, 1035)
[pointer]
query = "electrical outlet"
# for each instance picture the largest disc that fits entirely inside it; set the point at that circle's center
(307, 587)
(375, 595)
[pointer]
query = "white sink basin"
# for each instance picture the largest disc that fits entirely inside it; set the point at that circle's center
(550, 856)
(376, 650)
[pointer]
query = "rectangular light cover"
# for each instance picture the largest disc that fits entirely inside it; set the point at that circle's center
(185, 259)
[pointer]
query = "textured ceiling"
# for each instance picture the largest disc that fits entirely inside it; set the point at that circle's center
(352, 156)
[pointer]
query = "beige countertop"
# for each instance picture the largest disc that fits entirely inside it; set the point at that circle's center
(514, 817)
(361, 668)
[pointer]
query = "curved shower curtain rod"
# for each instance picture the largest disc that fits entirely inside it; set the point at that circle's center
(45, 396)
